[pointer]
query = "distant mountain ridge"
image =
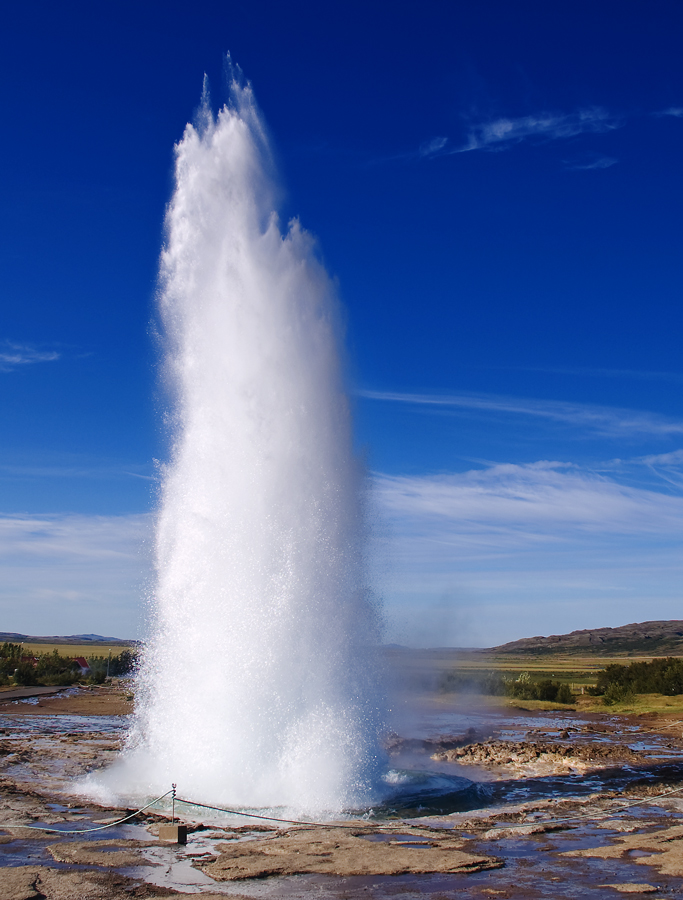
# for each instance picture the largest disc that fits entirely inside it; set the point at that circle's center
(15, 638)
(660, 638)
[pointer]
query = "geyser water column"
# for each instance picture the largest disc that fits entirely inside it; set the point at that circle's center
(258, 687)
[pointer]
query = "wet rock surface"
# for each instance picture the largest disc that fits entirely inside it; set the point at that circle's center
(115, 853)
(591, 836)
(661, 848)
(38, 882)
(336, 851)
(524, 753)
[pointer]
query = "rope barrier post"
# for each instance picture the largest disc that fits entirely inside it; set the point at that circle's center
(173, 834)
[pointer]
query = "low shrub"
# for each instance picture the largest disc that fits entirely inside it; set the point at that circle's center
(497, 685)
(659, 676)
(617, 693)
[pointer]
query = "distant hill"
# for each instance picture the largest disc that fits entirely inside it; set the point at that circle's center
(15, 638)
(663, 638)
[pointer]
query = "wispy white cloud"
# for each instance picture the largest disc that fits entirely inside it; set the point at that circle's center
(504, 132)
(602, 420)
(13, 356)
(432, 147)
(499, 133)
(534, 549)
(598, 162)
(524, 500)
(676, 111)
(73, 574)
(476, 557)
(675, 458)
(665, 467)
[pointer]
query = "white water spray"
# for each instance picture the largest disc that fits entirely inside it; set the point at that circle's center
(258, 686)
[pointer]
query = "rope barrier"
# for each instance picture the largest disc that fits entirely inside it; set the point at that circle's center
(236, 812)
(577, 817)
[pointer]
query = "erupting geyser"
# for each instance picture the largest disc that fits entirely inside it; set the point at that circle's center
(258, 686)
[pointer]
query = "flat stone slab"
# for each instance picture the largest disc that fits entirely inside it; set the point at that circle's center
(117, 853)
(342, 852)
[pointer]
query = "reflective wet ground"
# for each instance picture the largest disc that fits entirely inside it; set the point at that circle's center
(523, 819)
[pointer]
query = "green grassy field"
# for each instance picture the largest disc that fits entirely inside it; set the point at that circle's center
(88, 650)
(425, 671)
(578, 670)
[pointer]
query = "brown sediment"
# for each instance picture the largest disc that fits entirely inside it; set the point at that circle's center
(93, 700)
(631, 887)
(335, 851)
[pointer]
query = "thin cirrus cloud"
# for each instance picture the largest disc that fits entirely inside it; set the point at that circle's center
(505, 132)
(69, 574)
(665, 467)
(600, 162)
(510, 549)
(675, 458)
(502, 552)
(600, 420)
(14, 356)
(533, 501)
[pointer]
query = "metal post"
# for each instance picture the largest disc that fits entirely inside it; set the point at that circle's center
(108, 661)
(173, 816)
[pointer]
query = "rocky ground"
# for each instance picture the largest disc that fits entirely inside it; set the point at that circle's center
(606, 842)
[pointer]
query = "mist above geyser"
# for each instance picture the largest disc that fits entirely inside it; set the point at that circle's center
(258, 687)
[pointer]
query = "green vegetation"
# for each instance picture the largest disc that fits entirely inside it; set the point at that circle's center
(615, 684)
(54, 669)
(620, 684)
(89, 649)
(497, 684)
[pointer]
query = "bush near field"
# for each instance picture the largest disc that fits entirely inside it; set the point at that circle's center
(617, 683)
(497, 685)
(54, 669)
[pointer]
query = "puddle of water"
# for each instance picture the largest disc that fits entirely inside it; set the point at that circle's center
(24, 852)
(64, 726)
(173, 869)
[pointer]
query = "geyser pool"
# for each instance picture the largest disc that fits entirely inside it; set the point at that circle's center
(258, 687)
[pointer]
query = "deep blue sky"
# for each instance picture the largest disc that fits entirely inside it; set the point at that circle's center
(497, 187)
